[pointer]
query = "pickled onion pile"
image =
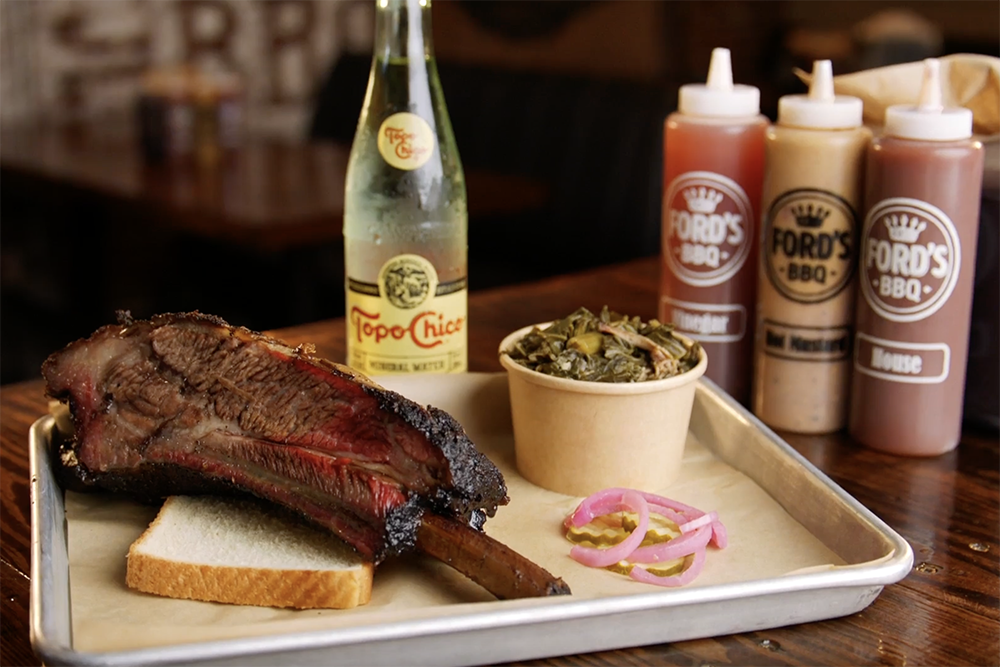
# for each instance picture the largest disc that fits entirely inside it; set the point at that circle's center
(673, 555)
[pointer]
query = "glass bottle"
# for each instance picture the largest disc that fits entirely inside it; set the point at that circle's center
(405, 211)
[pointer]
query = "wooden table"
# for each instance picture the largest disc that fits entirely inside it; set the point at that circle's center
(81, 201)
(948, 508)
(269, 195)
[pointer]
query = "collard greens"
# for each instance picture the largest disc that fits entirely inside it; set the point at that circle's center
(606, 348)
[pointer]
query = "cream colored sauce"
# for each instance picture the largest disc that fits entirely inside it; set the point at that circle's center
(802, 361)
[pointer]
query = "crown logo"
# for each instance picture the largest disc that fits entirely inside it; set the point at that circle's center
(702, 200)
(903, 228)
(809, 216)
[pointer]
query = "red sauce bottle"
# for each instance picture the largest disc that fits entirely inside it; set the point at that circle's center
(713, 175)
(915, 277)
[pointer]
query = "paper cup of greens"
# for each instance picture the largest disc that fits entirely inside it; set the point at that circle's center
(600, 401)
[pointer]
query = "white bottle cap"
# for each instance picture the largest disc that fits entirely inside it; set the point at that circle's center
(718, 97)
(820, 109)
(929, 120)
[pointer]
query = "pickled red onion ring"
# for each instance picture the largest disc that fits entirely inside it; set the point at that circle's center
(682, 579)
(607, 503)
(595, 505)
(698, 529)
(719, 536)
(685, 545)
(692, 524)
(631, 501)
(670, 503)
(667, 513)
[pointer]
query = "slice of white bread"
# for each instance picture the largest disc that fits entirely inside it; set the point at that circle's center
(236, 551)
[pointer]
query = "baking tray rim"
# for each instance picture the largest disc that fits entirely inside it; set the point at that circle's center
(872, 575)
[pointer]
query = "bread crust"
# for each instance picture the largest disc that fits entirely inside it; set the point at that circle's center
(263, 587)
(299, 589)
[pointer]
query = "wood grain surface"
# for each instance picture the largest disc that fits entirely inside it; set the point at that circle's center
(268, 196)
(946, 612)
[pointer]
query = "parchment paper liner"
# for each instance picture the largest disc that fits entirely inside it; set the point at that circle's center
(765, 542)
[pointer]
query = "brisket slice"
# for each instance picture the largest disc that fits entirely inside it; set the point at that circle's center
(186, 404)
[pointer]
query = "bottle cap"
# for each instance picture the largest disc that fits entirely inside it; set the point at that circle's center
(820, 109)
(718, 97)
(929, 120)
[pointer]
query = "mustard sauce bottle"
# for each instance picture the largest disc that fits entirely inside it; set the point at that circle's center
(812, 197)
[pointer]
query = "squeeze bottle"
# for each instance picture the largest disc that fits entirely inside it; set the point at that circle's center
(813, 192)
(713, 169)
(918, 254)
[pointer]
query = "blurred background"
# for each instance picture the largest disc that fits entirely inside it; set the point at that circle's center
(557, 108)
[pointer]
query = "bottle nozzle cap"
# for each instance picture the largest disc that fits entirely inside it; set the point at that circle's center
(821, 109)
(719, 97)
(930, 88)
(821, 86)
(720, 71)
(929, 119)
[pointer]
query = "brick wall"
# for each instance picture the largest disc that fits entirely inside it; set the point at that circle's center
(65, 59)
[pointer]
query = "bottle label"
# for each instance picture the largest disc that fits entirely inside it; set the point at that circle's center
(408, 322)
(911, 257)
(708, 228)
(706, 322)
(799, 343)
(406, 141)
(809, 245)
(899, 361)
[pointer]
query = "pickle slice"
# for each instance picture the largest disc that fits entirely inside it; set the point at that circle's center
(610, 529)
(667, 569)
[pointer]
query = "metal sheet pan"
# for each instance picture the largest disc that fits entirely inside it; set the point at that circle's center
(877, 555)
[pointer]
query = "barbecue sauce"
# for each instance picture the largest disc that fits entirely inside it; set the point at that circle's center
(915, 273)
(713, 170)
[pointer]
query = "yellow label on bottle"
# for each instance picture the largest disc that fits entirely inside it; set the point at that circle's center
(406, 141)
(408, 322)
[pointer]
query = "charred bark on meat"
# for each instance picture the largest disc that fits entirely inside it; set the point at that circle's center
(185, 403)
(491, 564)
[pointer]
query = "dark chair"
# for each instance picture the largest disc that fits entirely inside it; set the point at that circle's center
(596, 144)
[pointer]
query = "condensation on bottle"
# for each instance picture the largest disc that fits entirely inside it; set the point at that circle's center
(405, 211)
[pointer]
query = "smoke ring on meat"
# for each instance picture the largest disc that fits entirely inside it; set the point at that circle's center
(186, 403)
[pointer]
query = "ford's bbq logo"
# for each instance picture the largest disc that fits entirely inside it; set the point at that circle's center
(809, 245)
(910, 255)
(708, 226)
(405, 283)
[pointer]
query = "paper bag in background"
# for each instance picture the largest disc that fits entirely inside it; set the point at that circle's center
(970, 81)
(973, 82)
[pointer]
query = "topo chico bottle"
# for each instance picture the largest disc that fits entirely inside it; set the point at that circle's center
(405, 215)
